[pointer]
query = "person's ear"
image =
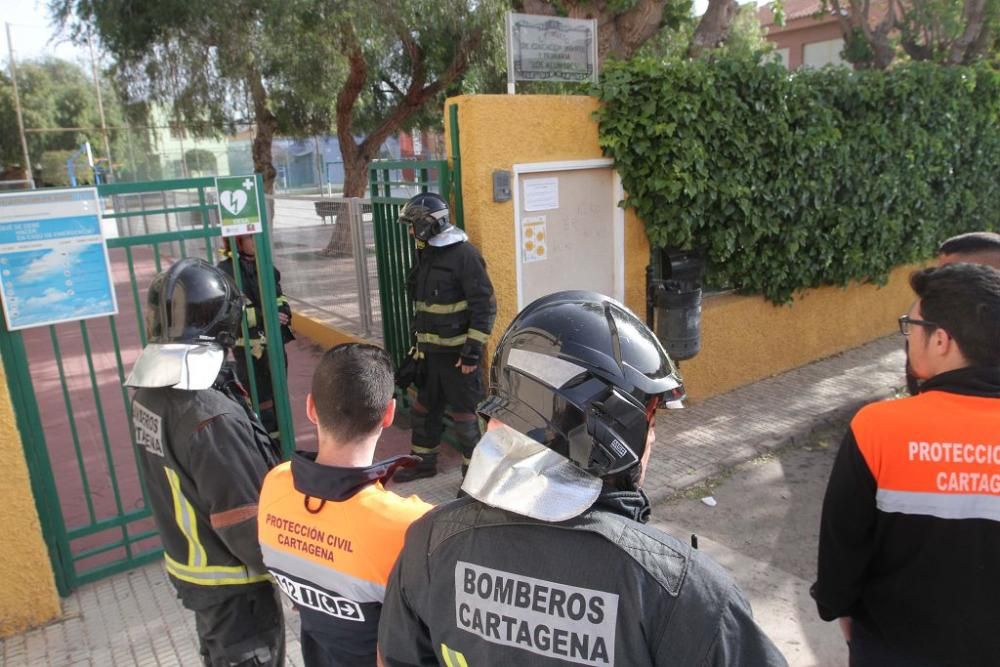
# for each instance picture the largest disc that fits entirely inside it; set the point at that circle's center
(311, 409)
(942, 341)
(389, 415)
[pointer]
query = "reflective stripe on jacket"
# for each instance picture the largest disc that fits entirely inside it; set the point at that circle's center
(454, 307)
(202, 456)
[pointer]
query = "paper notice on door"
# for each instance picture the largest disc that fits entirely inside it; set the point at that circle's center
(541, 194)
(533, 239)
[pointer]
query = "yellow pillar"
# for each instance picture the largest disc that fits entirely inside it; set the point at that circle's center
(28, 594)
(498, 131)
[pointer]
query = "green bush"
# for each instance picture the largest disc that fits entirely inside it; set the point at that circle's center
(795, 180)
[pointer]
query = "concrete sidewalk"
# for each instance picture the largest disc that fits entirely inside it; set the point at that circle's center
(134, 619)
(697, 443)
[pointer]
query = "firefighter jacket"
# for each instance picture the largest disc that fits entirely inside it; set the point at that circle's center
(254, 314)
(203, 457)
(910, 534)
(453, 300)
(329, 536)
(477, 585)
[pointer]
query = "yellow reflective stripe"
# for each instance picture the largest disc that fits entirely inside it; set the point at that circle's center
(417, 449)
(186, 519)
(434, 339)
(479, 336)
(251, 317)
(452, 658)
(441, 308)
(282, 300)
(212, 575)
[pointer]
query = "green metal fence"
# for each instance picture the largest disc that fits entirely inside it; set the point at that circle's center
(393, 182)
(80, 448)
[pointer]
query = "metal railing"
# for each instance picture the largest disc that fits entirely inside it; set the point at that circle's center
(325, 250)
(80, 449)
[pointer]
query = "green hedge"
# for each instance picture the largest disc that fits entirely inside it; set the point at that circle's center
(792, 181)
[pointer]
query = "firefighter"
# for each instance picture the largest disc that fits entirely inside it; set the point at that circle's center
(454, 313)
(203, 456)
(247, 250)
(329, 530)
(548, 561)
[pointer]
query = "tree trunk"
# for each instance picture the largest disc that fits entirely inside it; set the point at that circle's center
(355, 185)
(356, 177)
(266, 126)
(713, 29)
(262, 160)
(962, 50)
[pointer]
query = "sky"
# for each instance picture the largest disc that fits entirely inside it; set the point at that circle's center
(32, 33)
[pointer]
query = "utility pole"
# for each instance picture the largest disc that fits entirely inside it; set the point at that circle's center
(100, 106)
(17, 106)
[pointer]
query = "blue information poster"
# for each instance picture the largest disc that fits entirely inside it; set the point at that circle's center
(53, 260)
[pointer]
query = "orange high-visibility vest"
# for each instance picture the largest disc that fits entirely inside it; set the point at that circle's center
(332, 558)
(937, 454)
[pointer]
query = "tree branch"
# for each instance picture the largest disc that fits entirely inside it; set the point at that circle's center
(417, 93)
(843, 19)
(351, 90)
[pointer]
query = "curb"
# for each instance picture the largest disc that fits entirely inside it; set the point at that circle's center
(837, 416)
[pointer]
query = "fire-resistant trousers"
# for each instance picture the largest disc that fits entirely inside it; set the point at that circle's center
(443, 384)
(244, 630)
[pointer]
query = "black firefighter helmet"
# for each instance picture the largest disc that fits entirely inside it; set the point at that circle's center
(193, 302)
(581, 374)
(427, 213)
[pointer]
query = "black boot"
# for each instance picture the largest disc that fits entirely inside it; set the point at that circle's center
(426, 468)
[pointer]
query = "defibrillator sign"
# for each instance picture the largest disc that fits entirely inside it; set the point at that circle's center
(238, 210)
(568, 623)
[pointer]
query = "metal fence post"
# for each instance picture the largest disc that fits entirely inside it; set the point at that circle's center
(360, 251)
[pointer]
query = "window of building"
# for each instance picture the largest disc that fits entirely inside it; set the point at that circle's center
(819, 54)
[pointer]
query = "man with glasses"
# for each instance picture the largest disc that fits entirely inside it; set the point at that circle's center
(909, 549)
(973, 247)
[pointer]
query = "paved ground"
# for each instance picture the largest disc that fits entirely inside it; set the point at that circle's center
(133, 619)
(764, 530)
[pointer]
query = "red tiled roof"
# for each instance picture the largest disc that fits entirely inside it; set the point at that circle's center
(799, 9)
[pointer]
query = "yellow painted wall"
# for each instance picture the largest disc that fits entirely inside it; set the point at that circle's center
(28, 594)
(743, 338)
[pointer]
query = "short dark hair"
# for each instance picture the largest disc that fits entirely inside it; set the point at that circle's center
(964, 300)
(351, 387)
(972, 243)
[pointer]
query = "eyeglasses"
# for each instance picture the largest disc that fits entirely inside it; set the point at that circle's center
(905, 322)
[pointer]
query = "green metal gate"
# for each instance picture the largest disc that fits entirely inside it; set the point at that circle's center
(67, 383)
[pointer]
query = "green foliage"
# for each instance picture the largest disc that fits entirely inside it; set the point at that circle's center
(56, 93)
(53, 168)
(792, 181)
